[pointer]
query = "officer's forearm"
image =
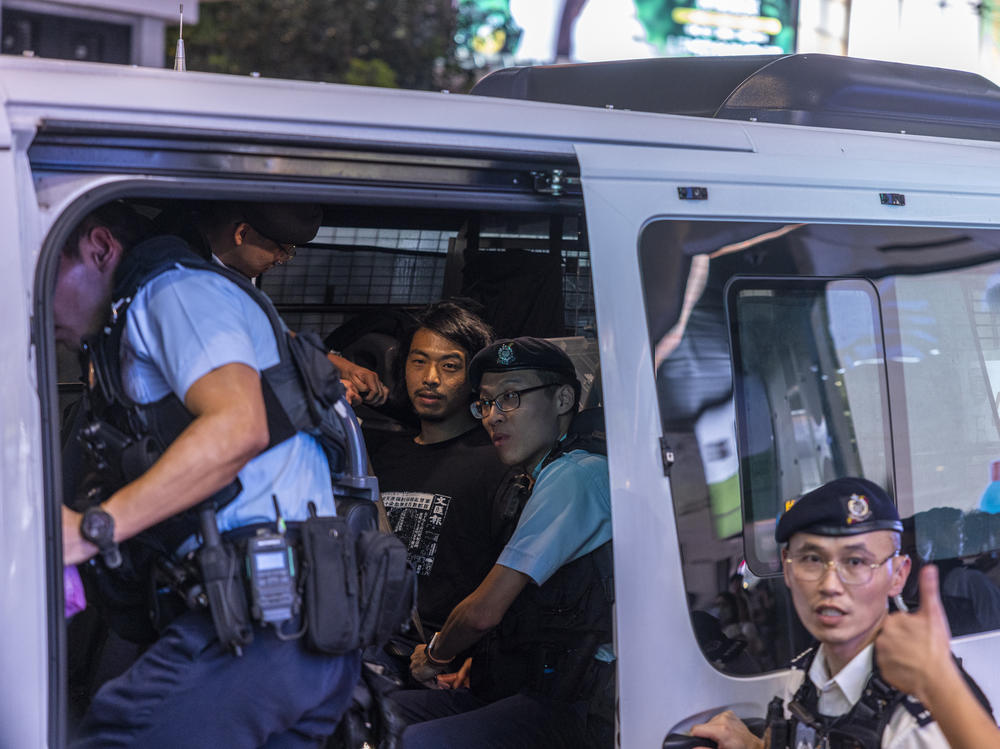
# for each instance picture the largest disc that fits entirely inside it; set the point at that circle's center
(229, 429)
(479, 612)
(964, 722)
(463, 629)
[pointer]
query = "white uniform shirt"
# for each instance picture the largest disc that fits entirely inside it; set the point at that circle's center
(838, 694)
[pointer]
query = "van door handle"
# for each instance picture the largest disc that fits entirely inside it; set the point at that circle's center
(683, 741)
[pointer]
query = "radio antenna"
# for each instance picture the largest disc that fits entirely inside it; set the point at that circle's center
(179, 62)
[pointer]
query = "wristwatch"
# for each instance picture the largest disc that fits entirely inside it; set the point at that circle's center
(98, 527)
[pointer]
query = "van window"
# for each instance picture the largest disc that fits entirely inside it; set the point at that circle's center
(787, 355)
(813, 349)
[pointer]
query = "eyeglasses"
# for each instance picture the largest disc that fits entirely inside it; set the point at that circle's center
(285, 251)
(810, 567)
(508, 401)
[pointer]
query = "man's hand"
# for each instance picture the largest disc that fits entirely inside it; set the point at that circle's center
(914, 655)
(728, 731)
(75, 548)
(913, 650)
(422, 669)
(457, 680)
(365, 383)
(351, 393)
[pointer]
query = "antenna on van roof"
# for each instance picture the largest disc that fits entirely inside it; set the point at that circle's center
(179, 62)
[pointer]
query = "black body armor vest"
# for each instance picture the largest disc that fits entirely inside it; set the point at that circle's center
(122, 439)
(547, 639)
(861, 727)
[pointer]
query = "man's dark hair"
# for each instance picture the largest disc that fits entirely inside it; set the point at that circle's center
(128, 226)
(453, 319)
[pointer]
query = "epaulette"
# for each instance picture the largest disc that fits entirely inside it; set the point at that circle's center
(916, 708)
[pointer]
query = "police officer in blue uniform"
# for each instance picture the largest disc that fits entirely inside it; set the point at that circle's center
(539, 625)
(842, 563)
(191, 335)
(252, 238)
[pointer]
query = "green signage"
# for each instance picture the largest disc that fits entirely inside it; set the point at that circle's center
(719, 27)
(490, 31)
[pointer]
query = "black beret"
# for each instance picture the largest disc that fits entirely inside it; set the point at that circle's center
(510, 354)
(842, 507)
(285, 223)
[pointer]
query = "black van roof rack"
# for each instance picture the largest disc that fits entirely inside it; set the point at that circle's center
(806, 89)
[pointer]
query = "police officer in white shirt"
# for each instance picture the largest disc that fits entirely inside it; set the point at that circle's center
(842, 564)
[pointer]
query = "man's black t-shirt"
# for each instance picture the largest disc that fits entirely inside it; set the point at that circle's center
(439, 501)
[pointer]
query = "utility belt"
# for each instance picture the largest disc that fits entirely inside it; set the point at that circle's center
(318, 579)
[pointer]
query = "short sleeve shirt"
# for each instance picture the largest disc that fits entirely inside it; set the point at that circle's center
(186, 323)
(567, 516)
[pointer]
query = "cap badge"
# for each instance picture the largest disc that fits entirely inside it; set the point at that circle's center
(857, 509)
(505, 355)
(790, 503)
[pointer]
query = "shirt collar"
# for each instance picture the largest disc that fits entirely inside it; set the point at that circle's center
(851, 679)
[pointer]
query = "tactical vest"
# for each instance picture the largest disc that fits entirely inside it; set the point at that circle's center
(122, 438)
(547, 639)
(861, 727)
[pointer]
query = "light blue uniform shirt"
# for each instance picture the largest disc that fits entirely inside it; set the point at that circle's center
(182, 325)
(567, 515)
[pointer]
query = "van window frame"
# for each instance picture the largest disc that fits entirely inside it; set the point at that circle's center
(760, 564)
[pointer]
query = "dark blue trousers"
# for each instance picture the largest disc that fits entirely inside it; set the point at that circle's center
(187, 691)
(457, 719)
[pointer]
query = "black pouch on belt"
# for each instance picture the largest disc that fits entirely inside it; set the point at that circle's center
(388, 587)
(331, 585)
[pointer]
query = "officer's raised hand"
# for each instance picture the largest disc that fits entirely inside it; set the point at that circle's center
(728, 731)
(914, 649)
(914, 655)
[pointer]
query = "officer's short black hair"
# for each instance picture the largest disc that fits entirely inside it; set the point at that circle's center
(127, 225)
(842, 507)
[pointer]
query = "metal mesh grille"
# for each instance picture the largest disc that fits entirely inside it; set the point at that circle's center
(578, 293)
(346, 270)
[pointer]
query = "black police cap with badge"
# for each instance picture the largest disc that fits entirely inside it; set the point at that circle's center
(510, 354)
(842, 507)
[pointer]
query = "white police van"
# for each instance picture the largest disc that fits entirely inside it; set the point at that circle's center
(789, 269)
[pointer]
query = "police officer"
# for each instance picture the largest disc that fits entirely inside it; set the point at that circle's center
(191, 335)
(842, 564)
(252, 238)
(541, 619)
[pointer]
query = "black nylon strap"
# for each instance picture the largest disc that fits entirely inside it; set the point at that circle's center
(863, 725)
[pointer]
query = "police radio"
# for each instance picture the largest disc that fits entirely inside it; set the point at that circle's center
(272, 575)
